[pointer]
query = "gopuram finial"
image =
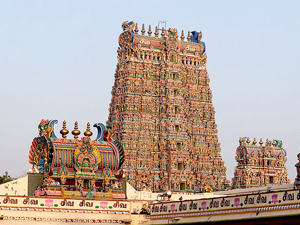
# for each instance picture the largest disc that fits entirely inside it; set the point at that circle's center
(136, 30)
(64, 131)
(88, 133)
(189, 36)
(143, 29)
(261, 142)
(182, 36)
(248, 141)
(163, 32)
(76, 132)
(149, 32)
(254, 142)
(156, 32)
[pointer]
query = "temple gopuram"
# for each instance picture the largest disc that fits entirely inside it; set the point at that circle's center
(260, 165)
(162, 112)
(162, 138)
(77, 167)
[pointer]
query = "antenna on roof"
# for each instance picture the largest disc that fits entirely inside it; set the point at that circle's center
(160, 23)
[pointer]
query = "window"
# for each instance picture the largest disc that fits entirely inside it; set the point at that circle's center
(174, 76)
(180, 166)
(178, 146)
(182, 186)
(177, 128)
(176, 109)
(175, 92)
(271, 180)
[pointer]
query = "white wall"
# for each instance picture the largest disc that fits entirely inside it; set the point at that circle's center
(15, 187)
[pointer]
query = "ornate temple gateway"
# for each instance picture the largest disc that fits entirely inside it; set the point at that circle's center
(76, 168)
(162, 112)
(260, 165)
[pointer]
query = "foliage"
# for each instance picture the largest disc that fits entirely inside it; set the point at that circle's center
(5, 178)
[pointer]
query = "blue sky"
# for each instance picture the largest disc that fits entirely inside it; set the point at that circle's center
(57, 61)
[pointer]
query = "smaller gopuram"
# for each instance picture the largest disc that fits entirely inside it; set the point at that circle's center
(77, 167)
(260, 165)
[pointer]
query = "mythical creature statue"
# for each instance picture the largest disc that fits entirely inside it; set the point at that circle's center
(196, 37)
(41, 150)
(46, 128)
(128, 27)
(172, 32)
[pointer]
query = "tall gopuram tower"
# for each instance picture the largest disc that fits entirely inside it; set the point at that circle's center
(260, 165)
(162, 112)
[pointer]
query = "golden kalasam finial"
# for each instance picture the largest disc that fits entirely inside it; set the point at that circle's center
(143, 29)
(189, 36)
(136, 30)
(182, 36)
(88, 133)
(261, 142)
(64, 131)
(248, 141)
(254, 141)
(149, 31)
(163, 32)
(76, 132)
(156, 32)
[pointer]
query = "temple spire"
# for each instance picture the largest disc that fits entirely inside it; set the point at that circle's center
(182, 36)
(64, 131)
(76, 132)
(88, 133)
(189, 36)
(156, 32)
(149, 31)
(163, 32)
(136, 30)
(143, 29)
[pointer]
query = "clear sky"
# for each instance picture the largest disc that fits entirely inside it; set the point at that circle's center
(57, 61)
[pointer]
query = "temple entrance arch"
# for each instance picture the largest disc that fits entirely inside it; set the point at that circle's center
(86, 184)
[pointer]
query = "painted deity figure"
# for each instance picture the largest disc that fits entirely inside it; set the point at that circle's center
(298, 167)
(93, 183)
(106, 171)
(86, 157)
(63, 177)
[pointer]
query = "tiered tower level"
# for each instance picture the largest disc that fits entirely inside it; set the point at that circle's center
(260, 165)
(162, 112)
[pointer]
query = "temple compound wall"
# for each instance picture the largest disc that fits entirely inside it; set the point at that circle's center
(162, 112)
(260, 165)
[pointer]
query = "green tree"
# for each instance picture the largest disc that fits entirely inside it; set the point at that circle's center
(5, 178)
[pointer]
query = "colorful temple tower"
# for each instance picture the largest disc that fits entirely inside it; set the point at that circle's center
(162, 112)
(77, 167)
(260, 165)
